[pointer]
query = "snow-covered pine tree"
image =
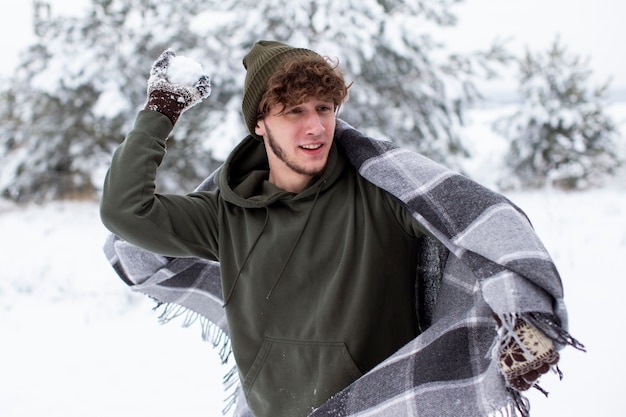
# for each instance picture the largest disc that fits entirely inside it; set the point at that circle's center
(561, 135)
(84, 79)
(77, 90)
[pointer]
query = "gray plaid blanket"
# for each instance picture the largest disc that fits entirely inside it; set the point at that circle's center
(493, 263)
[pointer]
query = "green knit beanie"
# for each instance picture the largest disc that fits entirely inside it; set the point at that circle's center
(263, 60)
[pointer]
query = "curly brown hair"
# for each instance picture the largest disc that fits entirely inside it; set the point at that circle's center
(299, 79)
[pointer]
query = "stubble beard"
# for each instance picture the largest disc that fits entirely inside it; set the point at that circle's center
(280, 154)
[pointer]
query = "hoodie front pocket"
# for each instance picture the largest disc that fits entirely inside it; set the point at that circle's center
(291, 377)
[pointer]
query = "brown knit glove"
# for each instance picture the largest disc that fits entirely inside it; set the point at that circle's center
(522, 366)
(173, 97)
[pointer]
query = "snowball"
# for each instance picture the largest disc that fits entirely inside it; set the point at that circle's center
(183, 70)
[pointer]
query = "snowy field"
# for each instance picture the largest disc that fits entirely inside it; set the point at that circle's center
(75, 342)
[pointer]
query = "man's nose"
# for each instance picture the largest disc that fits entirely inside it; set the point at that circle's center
(314, 124)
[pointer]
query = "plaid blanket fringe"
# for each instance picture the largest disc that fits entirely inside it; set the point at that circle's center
(210, 333)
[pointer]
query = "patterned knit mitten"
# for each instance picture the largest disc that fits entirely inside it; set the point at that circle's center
(172, 97)
(523, 365)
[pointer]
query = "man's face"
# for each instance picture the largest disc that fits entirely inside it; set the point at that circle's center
(297, 141)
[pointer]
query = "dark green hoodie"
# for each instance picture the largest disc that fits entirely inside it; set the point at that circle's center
(318, 286)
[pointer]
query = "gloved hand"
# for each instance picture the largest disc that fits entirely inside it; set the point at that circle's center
(173, 98)
(523, 365)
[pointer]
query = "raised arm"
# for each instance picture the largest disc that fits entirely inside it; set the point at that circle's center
(173, 225)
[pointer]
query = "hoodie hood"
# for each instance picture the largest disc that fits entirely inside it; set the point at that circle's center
(243, 179)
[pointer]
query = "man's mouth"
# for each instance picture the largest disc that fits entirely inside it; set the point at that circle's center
(312, 147)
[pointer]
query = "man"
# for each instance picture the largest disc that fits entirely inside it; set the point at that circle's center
(317, 263)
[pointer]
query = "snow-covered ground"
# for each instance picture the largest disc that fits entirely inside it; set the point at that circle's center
(75, 342)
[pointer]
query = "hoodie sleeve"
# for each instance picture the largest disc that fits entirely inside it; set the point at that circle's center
(170, 225)
(407, 222)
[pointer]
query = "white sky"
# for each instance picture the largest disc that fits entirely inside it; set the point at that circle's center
(592, 29)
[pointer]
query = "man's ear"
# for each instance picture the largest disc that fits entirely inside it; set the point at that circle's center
(259, 129)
